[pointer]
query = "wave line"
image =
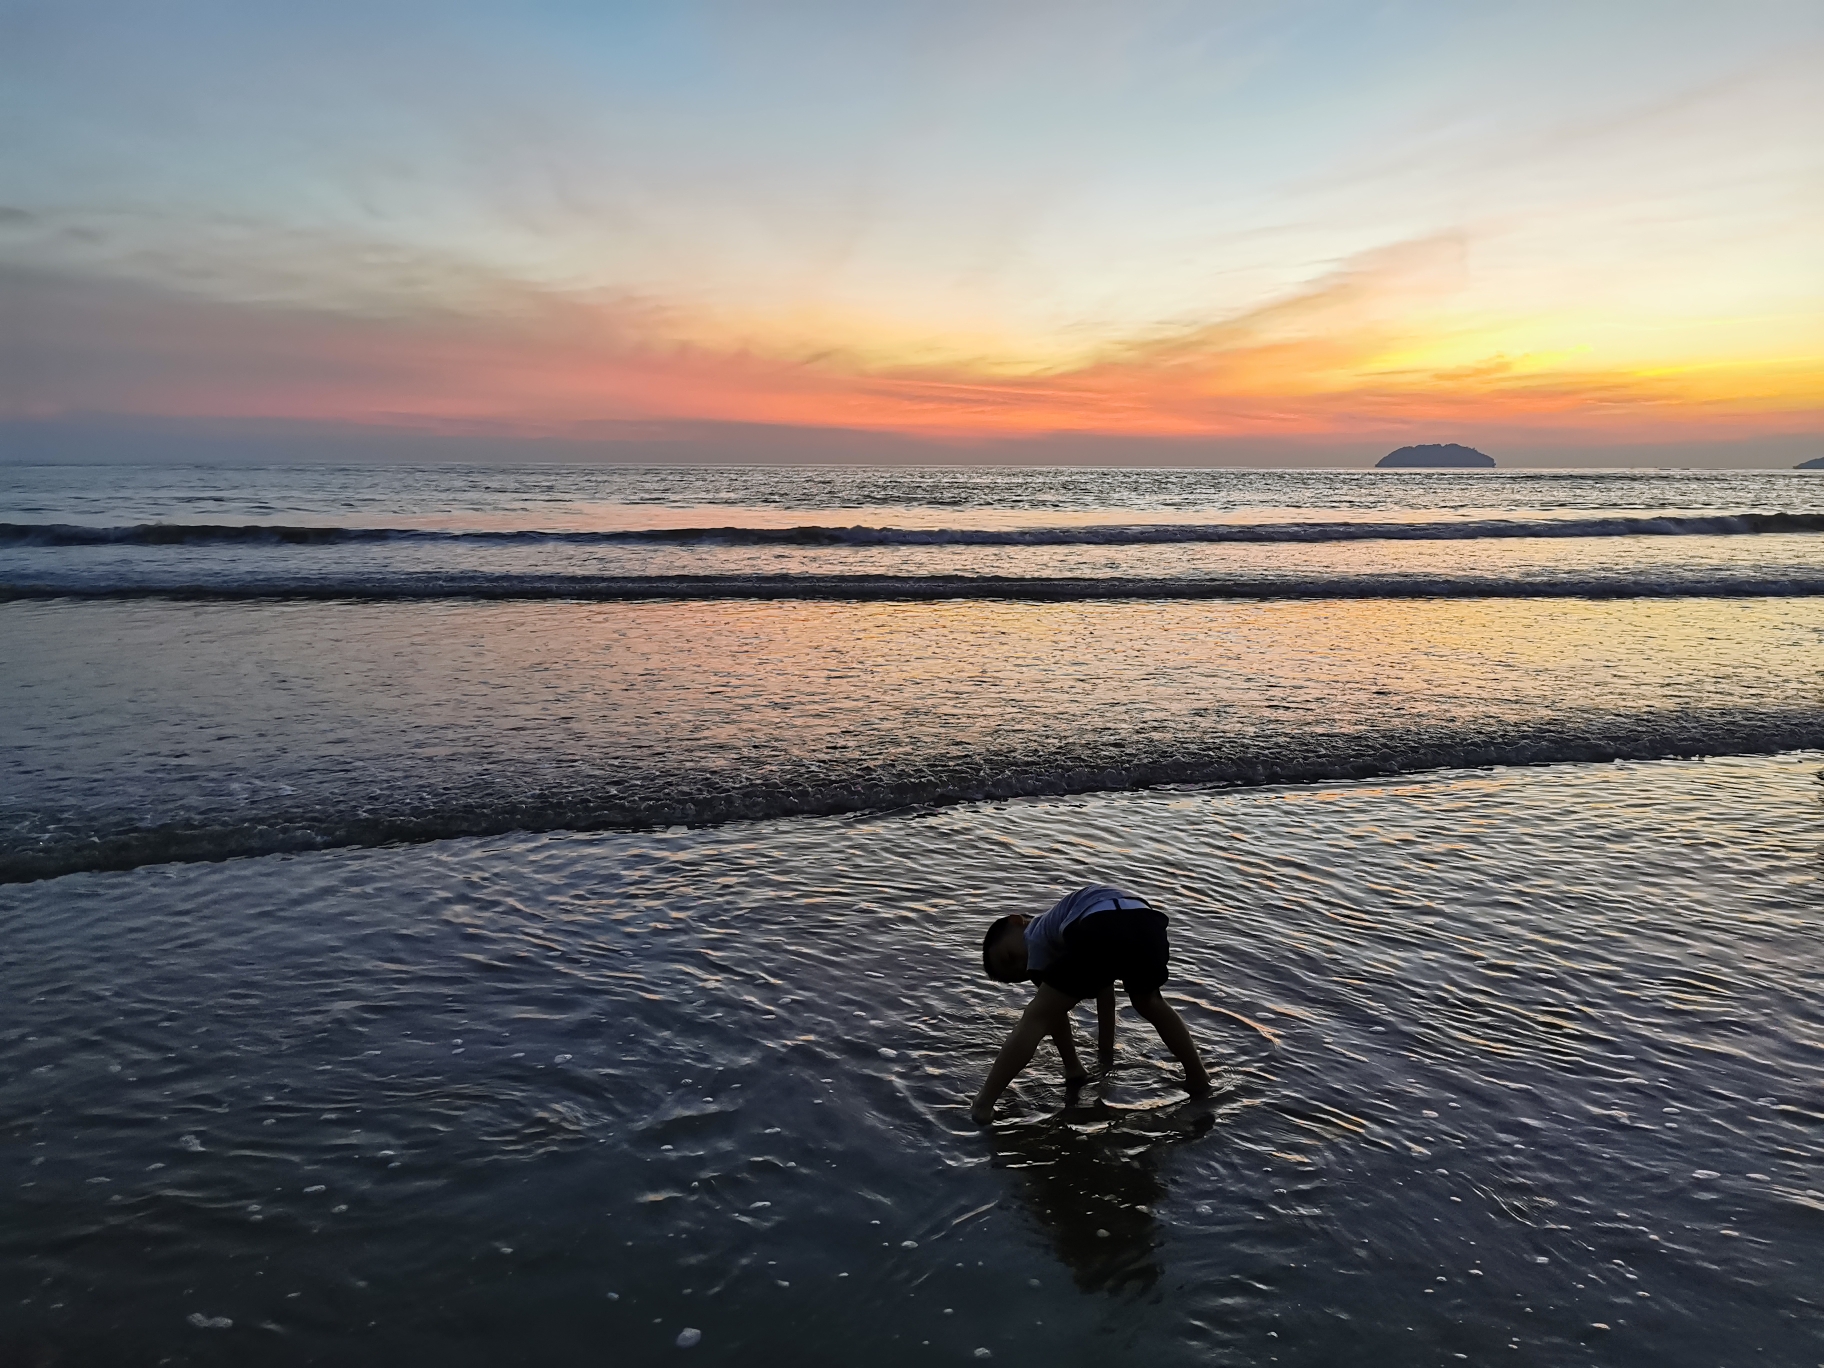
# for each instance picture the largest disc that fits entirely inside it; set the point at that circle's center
(915, 588)
(683, 801)
(814, 535)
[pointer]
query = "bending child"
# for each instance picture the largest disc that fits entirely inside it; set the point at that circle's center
(1077, 950)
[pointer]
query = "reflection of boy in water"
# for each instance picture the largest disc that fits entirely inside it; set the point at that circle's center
(1077, 950)
(1094, 1195)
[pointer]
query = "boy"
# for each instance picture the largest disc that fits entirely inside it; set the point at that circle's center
(1077, 950)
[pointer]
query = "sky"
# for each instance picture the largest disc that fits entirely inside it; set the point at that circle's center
(1292, 233)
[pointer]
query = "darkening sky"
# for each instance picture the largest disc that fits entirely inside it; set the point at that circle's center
(1278, 231)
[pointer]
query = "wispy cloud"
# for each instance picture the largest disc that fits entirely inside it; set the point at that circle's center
(1358, 351)
(959, 221)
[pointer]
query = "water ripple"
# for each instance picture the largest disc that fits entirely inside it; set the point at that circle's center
(1498, 1052)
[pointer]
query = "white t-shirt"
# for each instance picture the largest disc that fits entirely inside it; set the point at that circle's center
(1045, 933)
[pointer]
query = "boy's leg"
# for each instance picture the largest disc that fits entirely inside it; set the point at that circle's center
(1105, 1028)
(1074, 1072)
(1153, 1006)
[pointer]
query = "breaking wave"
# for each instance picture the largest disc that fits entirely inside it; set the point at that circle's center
(489, 807)
(418, 587)
(1116, 534)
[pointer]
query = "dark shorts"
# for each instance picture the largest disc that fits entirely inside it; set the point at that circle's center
(1105, 946)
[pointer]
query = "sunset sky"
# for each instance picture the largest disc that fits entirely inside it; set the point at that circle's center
(1287, 233)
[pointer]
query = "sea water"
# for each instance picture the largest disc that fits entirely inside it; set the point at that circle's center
(601, 967)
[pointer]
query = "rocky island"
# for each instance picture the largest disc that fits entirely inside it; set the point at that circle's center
(1434, 456)
(1815, 463)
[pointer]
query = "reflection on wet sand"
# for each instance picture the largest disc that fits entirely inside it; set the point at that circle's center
(1090, 1176)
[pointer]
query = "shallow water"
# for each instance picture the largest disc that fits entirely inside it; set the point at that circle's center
(207, 662)
(1517, 1065)
(143, 731)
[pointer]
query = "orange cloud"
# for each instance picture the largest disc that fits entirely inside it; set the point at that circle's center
(1382, 345)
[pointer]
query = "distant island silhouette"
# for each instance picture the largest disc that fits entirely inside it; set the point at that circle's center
(1433, 456)
(1815, 463)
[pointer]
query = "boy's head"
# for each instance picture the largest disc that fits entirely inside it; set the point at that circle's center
(1004, 950)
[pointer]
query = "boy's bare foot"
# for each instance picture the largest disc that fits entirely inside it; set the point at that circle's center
(1077, 1079)
(981, 1115)
(1198, 1087)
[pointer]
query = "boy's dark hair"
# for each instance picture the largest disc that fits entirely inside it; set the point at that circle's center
(994, 933)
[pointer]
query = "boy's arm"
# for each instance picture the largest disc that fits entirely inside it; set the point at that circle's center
(1048, 1009)
(1105, 1027)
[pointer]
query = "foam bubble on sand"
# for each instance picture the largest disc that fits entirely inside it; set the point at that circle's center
(1705, 1173)
(689, 1337)
(202, 1322)
(191, 1143)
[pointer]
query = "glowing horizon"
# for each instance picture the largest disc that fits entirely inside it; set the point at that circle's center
(949, 223)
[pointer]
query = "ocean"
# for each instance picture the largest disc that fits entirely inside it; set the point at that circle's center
(532, 915)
